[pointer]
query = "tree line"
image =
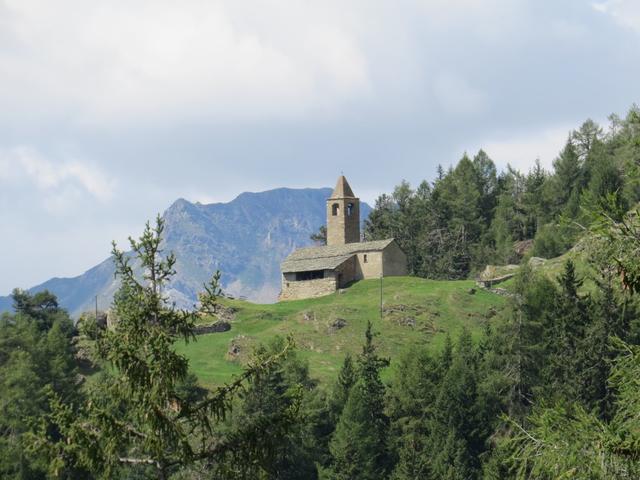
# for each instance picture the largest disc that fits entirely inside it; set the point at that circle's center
(471, 215)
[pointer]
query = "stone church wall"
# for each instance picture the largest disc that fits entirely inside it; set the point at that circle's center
(372, 268)
(346, 273)
(394, 261)
(292, 290)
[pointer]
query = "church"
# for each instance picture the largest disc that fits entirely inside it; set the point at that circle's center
(316, 271)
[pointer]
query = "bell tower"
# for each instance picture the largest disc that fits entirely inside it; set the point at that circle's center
(343, 215)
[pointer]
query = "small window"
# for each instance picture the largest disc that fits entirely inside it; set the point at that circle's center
(365, 258)
(335, 209)
(349, 209)
(312, 275)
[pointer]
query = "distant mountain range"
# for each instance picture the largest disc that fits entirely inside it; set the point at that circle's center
(246, 239)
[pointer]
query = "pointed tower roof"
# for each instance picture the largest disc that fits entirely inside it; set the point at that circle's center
(342, 190)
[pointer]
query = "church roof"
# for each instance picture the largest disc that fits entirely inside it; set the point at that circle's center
(342, 190)
(328, 257)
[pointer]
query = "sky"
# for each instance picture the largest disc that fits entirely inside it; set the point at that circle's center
(110, 111)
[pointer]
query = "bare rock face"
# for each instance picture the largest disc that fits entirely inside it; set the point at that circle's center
(246, 239)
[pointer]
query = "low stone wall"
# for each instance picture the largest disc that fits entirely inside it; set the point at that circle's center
(307, 288)
(220, 326)
(490, 282)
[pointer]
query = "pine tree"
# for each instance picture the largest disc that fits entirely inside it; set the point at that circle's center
(454, 442)
(283, 387)
(565, 325)
(410, 402)
(359, 445)
(138, 416)
(345, 382)
(36, 362)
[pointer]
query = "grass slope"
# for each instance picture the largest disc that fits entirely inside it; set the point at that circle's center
(416, 312)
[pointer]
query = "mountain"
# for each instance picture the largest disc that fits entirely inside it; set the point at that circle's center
(246, 239)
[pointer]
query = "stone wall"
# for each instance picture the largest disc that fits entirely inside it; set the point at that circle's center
(343, 228)
(372, 268)
(394, 261)
(345, 272)
(292, 290)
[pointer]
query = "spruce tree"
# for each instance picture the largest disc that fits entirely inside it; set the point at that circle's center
(347, 378)
(454, 442)
(359, 445)
(138, 416)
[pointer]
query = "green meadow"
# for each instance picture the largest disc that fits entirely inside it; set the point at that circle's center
(415, 312)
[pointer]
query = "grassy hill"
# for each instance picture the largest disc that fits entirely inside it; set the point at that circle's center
(415, 312)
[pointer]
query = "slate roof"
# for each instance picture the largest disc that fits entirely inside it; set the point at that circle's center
(342, 190)
(328, 257)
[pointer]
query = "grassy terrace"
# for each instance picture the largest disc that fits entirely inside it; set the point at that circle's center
(416, 312)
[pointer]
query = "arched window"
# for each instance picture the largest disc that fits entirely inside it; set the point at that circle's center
(349, 209)
(335, 209)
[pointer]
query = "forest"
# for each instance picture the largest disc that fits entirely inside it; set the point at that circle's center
(549, 391)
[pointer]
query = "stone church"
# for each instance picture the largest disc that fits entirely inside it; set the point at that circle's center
(316, 271)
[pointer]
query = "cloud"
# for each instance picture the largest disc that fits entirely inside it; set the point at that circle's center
(61, 182)
(204, 99)
(624, 12)
(521, 150)
(457, 97)
(127, 61)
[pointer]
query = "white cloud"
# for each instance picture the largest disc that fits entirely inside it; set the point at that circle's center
(521, 150)
(126, 61)
(624, 12)
(61, 182)
(120, 63)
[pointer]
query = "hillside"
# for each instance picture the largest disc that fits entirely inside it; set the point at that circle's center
(416, 311)
(552, 268)
(246, 239)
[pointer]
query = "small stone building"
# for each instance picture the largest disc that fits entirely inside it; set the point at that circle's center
(316, 271)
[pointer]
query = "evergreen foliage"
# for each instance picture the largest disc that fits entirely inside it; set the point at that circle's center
(472, 215)
(37, 361)
(142, 417)
(359, 444)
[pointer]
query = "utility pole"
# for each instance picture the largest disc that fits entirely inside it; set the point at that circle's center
(96, 308)
(381, 296)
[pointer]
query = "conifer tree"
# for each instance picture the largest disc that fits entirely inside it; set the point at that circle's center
(359, 445)
(37, 361)
(285, 386)
(347, 378)
(565, 327)
(454, 443)
(138, 416)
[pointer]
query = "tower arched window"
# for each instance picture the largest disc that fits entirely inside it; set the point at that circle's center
(349, 209)
(335, 209)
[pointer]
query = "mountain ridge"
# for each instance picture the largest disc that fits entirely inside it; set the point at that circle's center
(246, 239)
